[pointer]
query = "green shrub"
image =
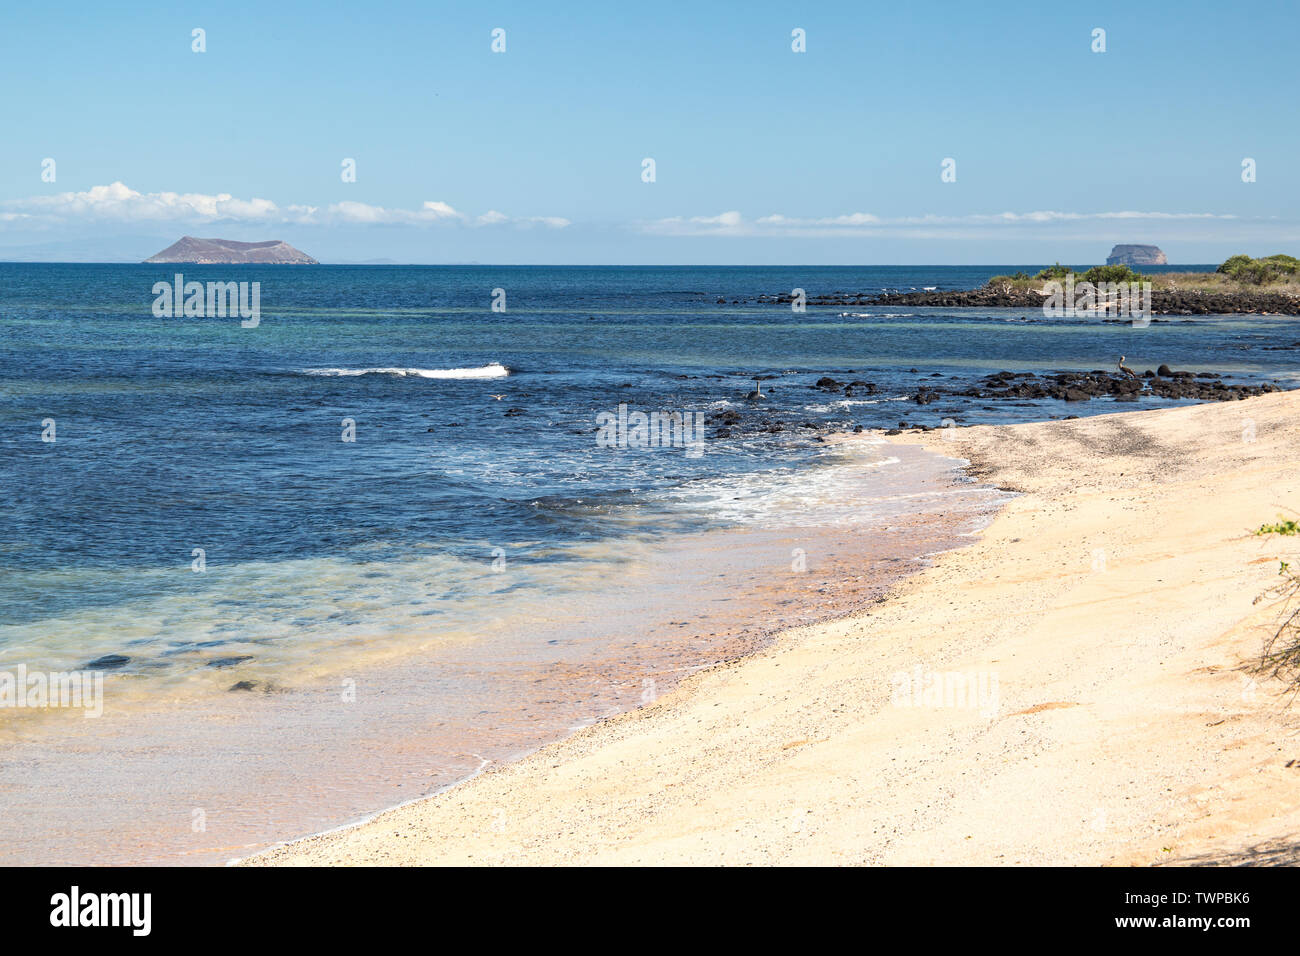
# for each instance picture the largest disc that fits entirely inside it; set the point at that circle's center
(1281, 655)
(1282, 526)
(1118, 273)
(1243, 268)
(1234, 264)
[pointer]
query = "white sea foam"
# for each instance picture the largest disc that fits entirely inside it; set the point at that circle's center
(842, 404)
(494, 370)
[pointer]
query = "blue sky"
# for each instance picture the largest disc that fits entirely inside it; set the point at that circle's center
(762, 155)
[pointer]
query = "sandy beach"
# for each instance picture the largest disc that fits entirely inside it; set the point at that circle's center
(1105, 624)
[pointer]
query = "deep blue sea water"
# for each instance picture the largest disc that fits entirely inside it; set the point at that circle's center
(176, 434)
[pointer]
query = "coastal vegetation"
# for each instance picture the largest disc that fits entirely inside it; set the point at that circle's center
(1059, 273)
(1281, 655)
(1242, 268)
(1278, 273)
(1281, 526)
(1241, 286)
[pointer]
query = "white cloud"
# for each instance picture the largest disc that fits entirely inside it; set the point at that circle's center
(441, 210)
(492, 217)
(732, 223)
(359, 212)
(118, 202)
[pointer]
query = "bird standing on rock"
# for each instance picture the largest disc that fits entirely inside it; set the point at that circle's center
(1125, 369)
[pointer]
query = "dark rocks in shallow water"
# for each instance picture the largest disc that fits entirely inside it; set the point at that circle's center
(894, 431)
(513, 412)
(1250, 301)
(1165, 371)
(1205, 386)
(108, 662)
(826, 382)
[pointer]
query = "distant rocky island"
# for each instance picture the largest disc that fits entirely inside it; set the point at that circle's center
(1128, 255)
(192, 250)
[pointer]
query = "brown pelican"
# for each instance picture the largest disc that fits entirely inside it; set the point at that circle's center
(757, 392)
(1125, 369)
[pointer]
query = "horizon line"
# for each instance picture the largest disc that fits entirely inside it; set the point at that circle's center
(581, 265)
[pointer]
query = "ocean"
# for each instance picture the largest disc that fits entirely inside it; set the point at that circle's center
(391, 534)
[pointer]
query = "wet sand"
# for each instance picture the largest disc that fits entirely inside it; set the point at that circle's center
(1107, 618)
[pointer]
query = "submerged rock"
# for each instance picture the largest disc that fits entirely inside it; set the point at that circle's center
(108, 662)
(229, 661)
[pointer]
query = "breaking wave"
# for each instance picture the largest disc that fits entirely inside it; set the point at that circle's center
(494, 370)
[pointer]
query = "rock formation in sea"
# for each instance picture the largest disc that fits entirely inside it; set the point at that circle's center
(1128, 255)
(227, 252)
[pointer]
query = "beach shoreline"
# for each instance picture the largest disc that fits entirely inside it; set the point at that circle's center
(1109, 610)
(235, 768)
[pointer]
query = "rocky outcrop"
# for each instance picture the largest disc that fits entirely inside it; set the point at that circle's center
(1247, 301)
(1085, 386)
(1125, 255)
(191, 250)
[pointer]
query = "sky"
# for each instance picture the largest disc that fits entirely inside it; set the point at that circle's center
(762, 155)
